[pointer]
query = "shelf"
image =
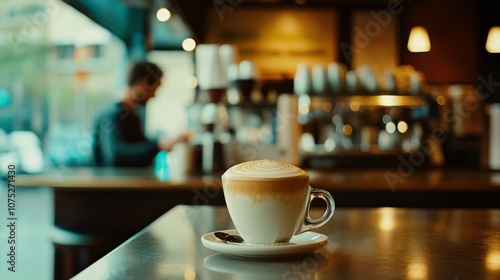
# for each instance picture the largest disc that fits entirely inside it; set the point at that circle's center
(383, 100)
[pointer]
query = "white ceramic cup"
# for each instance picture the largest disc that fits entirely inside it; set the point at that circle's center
(269, 201)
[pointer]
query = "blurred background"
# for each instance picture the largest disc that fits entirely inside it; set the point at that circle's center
(329, 85)
(62, 60)
(60, 65)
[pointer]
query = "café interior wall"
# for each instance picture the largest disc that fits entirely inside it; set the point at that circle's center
(380, 51)
(453, 28)
(452, 25)
(277, 39)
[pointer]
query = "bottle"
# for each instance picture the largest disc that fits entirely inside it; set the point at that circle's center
(162, 170)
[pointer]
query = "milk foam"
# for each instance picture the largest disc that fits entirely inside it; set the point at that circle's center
(265, 169)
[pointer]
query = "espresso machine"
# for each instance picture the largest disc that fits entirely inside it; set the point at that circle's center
(352, 119)
(232, 120)
(264, 131)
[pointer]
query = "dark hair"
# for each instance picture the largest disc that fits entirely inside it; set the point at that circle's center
(144, 71)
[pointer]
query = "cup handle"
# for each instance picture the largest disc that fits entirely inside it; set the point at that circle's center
(310, 223)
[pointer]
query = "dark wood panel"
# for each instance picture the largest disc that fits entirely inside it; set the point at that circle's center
(453, 28)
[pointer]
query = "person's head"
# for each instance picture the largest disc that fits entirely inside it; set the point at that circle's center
(144, 78)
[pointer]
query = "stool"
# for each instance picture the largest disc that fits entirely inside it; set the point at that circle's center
(74, 251)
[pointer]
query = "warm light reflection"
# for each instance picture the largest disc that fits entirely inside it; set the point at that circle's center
(327, 106)
(416, 270)
(440, 100)
(191, 82)
(419, 40)
(354, 106)
(386, 101)
(402, 126)
(163, 14)
(386, 222)
(303, 109)
(493, 41)
(188, 44)
(390, 100)
(347, 129)
(390, 127)
(288, 25)
(493, 260)
(190, 273)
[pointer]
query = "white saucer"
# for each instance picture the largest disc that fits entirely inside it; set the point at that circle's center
(299, 244)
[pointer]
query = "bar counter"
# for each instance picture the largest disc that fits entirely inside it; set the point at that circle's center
(116, 203)
(352, 188)
(125, 200)
(376, 243)
(341, 179)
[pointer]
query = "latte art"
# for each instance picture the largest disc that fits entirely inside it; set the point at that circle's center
(264, 169)
(268, 200)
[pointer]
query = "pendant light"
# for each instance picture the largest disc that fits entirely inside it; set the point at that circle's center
(419, 40)
(493, 41)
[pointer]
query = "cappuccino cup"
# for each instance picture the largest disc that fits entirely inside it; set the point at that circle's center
(269, 201)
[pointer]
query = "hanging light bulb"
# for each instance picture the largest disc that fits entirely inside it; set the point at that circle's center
(163, 14)
(189, 44)
(419, 40)
(493, 41)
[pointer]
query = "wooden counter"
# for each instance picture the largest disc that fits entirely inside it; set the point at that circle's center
(125, 199)
(341, 179)
(350, 188)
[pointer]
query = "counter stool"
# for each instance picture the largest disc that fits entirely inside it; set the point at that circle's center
(74, 251)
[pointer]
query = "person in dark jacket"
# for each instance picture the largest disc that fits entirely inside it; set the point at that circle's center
(118, 137)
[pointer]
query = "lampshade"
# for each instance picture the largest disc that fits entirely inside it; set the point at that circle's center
(493, 41)
(419, 40)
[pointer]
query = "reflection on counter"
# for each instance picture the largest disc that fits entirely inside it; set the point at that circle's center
(420, 244)
(298, 267)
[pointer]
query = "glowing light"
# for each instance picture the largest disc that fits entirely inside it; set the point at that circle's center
(354, 106)
(416, 270)
(493, 260)
(347, 129)
(303, 109)
(419, 40)
(330, 145)
(189, 274)
(327, 106)
(402, 126)
(390, 127)
(386, 222)
(493, 41)
(440, 100)
(191, 82)
(163, 14)
(189, 44)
